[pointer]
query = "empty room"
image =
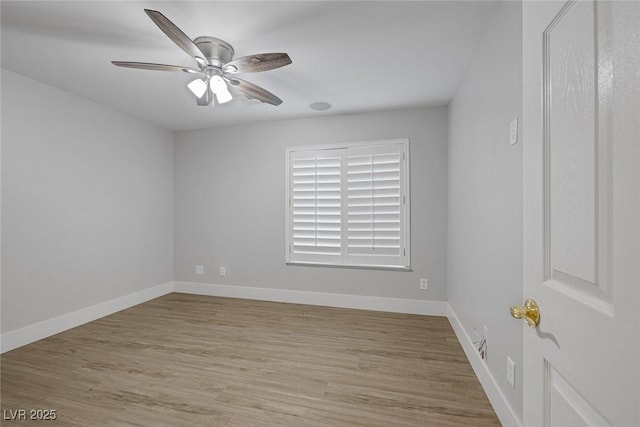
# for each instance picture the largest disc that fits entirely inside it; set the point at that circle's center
(320, 213)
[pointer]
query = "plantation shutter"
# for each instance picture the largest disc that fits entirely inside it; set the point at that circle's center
(316, 205)
(349, 205)
(375, 205)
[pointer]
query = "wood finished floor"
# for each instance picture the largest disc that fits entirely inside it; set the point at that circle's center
(186, 360)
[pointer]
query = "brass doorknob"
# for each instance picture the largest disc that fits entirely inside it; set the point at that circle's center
(530, 312)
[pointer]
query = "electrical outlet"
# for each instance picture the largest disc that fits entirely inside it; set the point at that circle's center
(511, 372)
(199, 269)
(424, 284)
(223, 271)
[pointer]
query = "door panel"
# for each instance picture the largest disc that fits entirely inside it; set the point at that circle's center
(566, 406)
(577, 164)
(570, 83)
(581, 176)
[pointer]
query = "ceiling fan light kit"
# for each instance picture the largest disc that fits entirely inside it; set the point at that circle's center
(216, 65)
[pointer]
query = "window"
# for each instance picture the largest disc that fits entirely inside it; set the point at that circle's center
(348, 204)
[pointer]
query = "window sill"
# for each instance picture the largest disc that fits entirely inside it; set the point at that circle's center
(361, 267)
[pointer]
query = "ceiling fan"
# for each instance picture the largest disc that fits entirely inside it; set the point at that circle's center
(216, 65)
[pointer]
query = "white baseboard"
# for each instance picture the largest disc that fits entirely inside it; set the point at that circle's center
(498, 400)
(23, 336)
(396, 305)
(28, 334)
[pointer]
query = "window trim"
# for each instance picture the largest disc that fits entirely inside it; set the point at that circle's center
(406, 217)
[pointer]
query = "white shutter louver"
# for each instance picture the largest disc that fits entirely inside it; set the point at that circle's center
(374, 205)
(349, 205)
(316, 204)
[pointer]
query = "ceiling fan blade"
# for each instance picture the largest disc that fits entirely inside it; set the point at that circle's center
(177, 35)
(254, 91)
(257, 63)
(156, 67)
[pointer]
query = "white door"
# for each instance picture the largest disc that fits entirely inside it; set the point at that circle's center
(581, 142)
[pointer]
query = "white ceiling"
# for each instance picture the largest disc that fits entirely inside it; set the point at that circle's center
(358, 56)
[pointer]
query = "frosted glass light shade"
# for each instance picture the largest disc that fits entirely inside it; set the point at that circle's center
(198, 87)
(219, 87)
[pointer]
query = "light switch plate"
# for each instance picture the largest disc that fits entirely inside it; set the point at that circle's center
(513, 132)
(199, 269)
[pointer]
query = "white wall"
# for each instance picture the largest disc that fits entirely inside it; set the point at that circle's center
(87, 203)
(230, 208)
(484, 265)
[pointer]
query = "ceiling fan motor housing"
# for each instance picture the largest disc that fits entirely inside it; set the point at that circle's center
(218, 52)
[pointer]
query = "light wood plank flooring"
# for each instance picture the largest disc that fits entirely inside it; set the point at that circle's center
(186, 360)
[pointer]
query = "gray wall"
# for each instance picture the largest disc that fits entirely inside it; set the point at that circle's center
(87, 203)
(230, 208)
(484, 270)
